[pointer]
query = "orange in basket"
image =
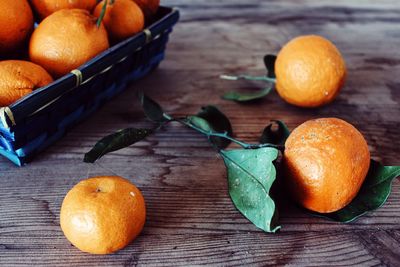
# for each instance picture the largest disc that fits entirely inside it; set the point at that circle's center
(123, 18)
(46, 7)
(149, 7)
(19, 78)
(66, 39)
(16, 24)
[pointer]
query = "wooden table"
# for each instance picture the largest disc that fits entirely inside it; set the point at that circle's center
(191, 220)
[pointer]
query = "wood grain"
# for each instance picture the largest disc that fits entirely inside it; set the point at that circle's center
(191, 220)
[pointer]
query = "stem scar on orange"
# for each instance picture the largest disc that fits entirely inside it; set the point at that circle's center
(326, 161)
(101, 215)
(310, 71)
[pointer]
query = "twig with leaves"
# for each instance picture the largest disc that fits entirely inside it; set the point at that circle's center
(251, 170)
(269, 61)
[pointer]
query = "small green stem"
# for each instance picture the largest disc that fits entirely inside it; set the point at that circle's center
(103, 12)
(248, 77)
(254, 146)
(160, 125)
(168, 117)
(222, 135)
(209, 134)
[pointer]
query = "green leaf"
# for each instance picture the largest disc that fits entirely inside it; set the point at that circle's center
(249, 96)
(276, 137)
(152, 109)
(218, 120)
(200, 123)
(269, 62)
(251, 173)
(212, 119)
(120, 139)
(372, 195)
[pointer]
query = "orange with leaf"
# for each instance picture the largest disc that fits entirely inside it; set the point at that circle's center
(122, 18)
(309, 72)
(326, 162)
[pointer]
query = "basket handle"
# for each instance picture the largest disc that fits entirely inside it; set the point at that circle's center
(78, 76)
(6, 113)
(148, 34)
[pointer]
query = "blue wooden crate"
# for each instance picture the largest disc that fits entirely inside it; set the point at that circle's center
(42, 117)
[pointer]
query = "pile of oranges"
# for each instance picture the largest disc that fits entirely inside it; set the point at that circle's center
(67, 36)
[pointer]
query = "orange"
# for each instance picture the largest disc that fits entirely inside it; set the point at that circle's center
(101, 215)
(19, 78)
(16, 24)
(123, 18)
(46, 7)
(310, 71)
(326, 161)
(66, 39)
(149, 7)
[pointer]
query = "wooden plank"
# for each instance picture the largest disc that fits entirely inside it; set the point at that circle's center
(176, 206)
(233, 249)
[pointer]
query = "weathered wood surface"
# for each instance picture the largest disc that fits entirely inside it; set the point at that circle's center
(191, 220)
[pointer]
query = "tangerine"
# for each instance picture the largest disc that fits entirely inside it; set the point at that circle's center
(149, 7)
(101, 215)
(19, 78)
(123, 18)
(326, 161)
(45, 8)
(310, 71)
(66, 39)
(16, 21)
